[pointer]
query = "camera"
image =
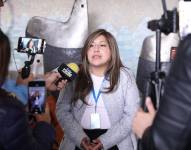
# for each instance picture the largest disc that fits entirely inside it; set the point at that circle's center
(36, 97)
(167, 24)
(31, 45)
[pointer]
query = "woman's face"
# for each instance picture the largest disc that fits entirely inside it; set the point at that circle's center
(99, 53)
(31, 44)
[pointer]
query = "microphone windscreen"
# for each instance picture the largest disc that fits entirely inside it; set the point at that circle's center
(74, 67)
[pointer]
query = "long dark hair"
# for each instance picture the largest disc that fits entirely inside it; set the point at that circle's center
(84, 82)
(29, 42)
(5, 52)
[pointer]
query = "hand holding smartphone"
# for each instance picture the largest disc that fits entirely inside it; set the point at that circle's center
(36, 97)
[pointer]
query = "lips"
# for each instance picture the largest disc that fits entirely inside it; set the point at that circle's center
(96, 57)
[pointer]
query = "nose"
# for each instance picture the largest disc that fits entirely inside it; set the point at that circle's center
(96, 47)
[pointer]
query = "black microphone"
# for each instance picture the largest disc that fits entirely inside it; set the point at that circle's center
(68, 72)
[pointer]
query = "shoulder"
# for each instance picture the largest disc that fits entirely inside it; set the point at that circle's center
(126, 73)
(10, 103)
(127, 77)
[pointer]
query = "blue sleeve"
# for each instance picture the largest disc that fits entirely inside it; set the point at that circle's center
(20, 90)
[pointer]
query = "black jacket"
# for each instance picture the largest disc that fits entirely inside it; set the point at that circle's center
(15, 132)
(171, 129)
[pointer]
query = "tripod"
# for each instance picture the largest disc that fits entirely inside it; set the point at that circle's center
(167, 24)
(155, 83)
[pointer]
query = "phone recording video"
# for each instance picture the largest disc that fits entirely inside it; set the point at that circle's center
(36, 97)
(31, 45)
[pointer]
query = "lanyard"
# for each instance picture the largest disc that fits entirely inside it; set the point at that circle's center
(96, 97)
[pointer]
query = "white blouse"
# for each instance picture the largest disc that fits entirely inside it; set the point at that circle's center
(104, 118)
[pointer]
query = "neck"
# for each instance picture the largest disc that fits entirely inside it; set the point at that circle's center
(98, 71)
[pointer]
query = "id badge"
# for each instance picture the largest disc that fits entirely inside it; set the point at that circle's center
(95, 121)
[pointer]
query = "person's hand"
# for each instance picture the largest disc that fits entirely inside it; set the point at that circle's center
(44, 116)
(20, 80)
(51, 78)
(85, 144)
(143, 119)
(96, 145)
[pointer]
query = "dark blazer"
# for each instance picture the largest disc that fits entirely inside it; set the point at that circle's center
(171, 129)
(15, 132)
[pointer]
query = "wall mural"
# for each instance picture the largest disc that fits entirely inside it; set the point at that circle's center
(64, 39)
(130, 42)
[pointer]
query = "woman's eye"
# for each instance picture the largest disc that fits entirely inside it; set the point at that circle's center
(91, 45)
(103, 45)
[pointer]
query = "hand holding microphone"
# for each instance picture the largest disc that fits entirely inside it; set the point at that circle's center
(51, 78)
(68, 72)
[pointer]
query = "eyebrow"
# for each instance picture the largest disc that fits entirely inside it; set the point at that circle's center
(99, 42)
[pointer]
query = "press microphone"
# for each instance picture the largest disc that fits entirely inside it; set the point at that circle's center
(67, 71)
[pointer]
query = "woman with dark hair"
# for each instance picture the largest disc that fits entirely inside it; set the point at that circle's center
(31, 47)
(15, 131)
(96, 110)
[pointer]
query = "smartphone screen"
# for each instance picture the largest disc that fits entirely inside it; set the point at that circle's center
(31, 45)
(36, 95)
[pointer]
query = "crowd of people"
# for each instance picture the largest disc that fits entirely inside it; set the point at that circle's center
(100, 109)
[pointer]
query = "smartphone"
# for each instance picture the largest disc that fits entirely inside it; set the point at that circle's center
(31, 45)
(36, 97)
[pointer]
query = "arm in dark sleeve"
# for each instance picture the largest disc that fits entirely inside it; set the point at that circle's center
(44, 135)
(170, 129)
(17, 134)
(146, 143)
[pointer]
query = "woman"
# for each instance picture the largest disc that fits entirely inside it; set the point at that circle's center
(31, 47)
(96, 110)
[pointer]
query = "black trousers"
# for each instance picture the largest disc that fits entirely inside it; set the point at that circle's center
(95, 133)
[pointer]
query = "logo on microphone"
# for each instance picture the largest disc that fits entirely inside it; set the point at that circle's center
(67, 71)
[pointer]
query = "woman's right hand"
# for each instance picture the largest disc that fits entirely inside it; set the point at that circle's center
(85, 144)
